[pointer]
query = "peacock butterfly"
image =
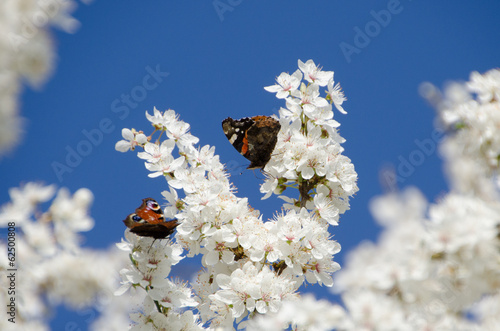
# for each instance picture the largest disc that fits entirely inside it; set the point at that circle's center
(148, 221)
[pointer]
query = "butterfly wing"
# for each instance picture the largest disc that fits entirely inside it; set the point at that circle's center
(262, 138)
(156, 231)
(235, 131)
(148, 221)
(150, 211)
(254, 138)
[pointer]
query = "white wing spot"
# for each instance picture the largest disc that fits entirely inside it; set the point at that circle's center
(233, 138)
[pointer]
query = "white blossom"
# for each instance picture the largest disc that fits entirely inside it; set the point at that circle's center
(26, 56)
(51, 266)
(132, 140)
(336, 95)
(471, 111)
(314, 74)
(307, 313)
(286, 84)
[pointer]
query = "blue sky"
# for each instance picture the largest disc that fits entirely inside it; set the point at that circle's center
(215, 63)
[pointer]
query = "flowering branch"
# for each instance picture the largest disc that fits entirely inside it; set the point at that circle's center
(249, 267)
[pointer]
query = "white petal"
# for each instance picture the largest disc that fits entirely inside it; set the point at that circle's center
(127, 134)
(122, 146)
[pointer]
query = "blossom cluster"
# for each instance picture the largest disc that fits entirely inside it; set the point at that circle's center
(249, 266)
(60, 225)
(308, 155)
(433, 262)
(470, 111)
(26, 52)
(151, 263)
(52, 267)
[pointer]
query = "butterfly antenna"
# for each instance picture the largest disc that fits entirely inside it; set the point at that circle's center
(264, 173)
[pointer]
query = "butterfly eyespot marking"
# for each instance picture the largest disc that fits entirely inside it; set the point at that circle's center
(148, 221)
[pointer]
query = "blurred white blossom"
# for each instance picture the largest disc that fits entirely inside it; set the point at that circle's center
(51, 267)
(471, 113)
(436, 266)
(26, 53)
(304, 314)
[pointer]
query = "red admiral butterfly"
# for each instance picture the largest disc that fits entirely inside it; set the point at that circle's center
(253, 137)
(148, 221)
